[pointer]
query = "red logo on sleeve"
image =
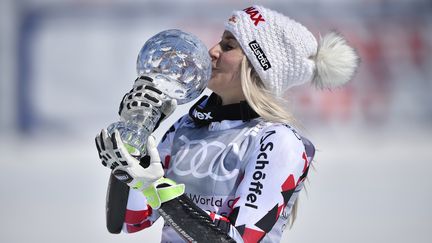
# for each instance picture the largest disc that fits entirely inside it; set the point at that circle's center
(254, 15)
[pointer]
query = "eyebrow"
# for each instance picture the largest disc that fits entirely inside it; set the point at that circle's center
(229, 37)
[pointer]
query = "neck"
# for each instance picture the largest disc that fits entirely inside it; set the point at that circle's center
(227, 100)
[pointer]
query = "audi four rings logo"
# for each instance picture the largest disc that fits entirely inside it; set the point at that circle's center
(204, 160)
(259, 54)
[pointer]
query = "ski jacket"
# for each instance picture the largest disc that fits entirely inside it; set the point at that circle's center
(245, 174)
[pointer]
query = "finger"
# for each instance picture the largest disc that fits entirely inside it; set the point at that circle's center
(131, 95)
(148, 87)
(152, 99)
(106, 140)
(101, 141)
(116, 153)
(149, 94)
(137, 88)
(114, 140)
(102, 153)
(143, 79)
(114, 165)
(169, 107)
(119, 148)
(98, 146)
(137, 105)
(152, 150)
(117, 144)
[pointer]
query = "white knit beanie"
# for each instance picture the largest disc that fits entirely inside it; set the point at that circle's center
(284, 53)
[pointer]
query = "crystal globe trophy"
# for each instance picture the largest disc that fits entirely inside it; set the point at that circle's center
(180, 67)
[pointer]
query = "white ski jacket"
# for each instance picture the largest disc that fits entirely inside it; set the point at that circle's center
(245, 174)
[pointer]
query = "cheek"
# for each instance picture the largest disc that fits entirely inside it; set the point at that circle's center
(230, 63)
(228, 74)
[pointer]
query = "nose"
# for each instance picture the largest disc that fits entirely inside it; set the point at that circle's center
(214, 52)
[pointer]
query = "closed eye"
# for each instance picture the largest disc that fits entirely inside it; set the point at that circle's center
(226, 47)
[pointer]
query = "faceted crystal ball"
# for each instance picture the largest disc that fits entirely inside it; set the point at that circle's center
(181, 61)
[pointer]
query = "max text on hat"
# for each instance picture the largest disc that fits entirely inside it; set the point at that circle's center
(254, 15)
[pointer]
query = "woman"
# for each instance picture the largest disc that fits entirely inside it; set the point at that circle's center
(236, 152)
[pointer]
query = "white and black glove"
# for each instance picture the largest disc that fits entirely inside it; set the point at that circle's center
(136, 173)
(145, 174)
(143, 97)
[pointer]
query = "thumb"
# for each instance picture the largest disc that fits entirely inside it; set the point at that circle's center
(152, 150)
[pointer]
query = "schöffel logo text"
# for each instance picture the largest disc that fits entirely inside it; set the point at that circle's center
(259, 54)
(258, 177)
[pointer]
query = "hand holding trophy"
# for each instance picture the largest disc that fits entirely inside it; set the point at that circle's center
(173, 62)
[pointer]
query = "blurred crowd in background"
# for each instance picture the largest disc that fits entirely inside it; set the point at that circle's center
(63, 62)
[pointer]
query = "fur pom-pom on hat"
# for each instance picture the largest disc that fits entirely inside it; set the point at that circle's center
(336, 62)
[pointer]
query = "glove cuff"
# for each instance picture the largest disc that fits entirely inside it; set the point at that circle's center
(163, 190)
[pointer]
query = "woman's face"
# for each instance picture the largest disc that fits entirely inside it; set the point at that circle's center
(226, 57)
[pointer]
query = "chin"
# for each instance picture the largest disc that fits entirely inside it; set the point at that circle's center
(211, 83)
(212, 88)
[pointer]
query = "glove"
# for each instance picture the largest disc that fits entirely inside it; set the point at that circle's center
(138, 174)
(145, 174)
(163, 190)
(143, 97)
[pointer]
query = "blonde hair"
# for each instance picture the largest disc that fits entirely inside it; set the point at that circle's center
(264, 103)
